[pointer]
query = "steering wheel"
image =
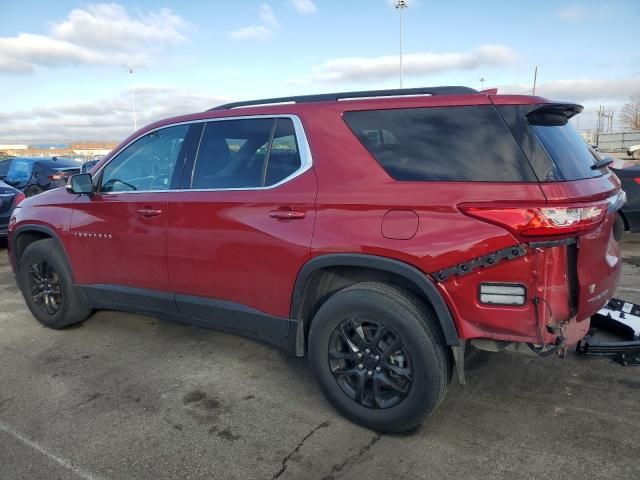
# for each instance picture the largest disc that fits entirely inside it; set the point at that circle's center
(112, 181)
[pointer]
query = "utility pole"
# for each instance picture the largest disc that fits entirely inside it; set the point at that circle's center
(535, 79)
(400, 5)
(611, 120)
(133, 101)
(482, 80)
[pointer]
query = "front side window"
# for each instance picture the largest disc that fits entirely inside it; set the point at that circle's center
(147, 164)
(245, 153)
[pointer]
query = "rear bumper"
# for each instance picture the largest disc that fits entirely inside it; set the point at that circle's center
(618, 317)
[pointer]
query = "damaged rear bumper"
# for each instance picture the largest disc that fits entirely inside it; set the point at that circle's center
(622, 318)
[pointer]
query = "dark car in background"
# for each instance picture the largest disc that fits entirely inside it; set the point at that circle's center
(88, 165)
(33, 175)
(10, 198)
(629, 215)
(5, 163)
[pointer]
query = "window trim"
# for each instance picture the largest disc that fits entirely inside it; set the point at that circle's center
(306, 160)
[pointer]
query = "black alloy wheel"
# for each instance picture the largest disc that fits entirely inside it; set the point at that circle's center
(370, 363)
(44, 287)
(46, 282)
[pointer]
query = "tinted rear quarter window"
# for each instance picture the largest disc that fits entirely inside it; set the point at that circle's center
(568, 150)
(450, 144)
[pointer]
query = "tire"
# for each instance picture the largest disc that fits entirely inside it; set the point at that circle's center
(636, 155)
(618, 227)
(66, 305)
(33, 190)
(424, 356)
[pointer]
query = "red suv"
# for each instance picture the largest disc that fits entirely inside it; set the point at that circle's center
(379, 233)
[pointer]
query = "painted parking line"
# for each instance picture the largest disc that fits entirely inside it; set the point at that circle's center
(50, 455)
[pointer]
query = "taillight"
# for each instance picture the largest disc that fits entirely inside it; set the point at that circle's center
(637, 180)
(19, 198)
(542, 221)
(58, 176)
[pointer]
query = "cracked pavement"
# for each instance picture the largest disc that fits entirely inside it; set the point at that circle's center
(129, 397)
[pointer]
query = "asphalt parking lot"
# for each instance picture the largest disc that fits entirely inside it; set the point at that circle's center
(129, 397)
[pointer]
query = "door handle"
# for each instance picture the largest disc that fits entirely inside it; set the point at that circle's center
(286, 214)
(149, 212)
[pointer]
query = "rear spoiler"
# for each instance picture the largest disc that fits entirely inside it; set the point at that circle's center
(554, 114)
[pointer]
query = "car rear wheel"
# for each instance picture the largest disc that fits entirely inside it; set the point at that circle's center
(636, 155)
(33, 190)
(379, 357)
(47, 286)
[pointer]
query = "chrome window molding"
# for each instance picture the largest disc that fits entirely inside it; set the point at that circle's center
(306, 160)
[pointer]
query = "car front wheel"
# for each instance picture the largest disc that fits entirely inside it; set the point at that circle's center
(379, 357)
(46, 283)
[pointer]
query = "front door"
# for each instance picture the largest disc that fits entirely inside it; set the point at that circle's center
(118, 235)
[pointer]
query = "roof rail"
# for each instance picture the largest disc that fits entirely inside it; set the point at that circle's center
(328, 97)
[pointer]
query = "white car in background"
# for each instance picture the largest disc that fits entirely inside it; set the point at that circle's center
(634, 152)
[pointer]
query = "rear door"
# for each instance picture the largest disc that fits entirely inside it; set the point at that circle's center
(241, 228)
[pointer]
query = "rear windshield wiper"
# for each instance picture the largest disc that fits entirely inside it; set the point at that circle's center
(604, 162)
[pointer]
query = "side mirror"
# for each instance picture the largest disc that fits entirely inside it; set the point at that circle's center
(80, 183)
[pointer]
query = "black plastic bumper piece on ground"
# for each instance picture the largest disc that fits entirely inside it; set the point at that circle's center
(622, 318)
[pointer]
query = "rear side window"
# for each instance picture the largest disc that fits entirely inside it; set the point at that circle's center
(452, 144)
(246, 153)
(568, 150)
(20, 170)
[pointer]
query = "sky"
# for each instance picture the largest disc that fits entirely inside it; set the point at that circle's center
(65, 65)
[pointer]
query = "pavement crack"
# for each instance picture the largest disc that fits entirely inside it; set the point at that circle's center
(338, 467)
(90, 399)
(285, 460)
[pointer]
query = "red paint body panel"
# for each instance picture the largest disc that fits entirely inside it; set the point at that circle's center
(226, 245)
(134, 252)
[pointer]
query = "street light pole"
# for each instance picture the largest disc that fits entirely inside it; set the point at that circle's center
(401, 5)
(133, 102)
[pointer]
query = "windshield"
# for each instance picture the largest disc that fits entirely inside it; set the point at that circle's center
(20, 170)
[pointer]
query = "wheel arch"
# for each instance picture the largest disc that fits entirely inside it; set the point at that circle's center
(26, 234)
(315, 284)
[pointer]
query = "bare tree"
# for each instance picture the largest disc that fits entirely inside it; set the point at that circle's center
(630, 114)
